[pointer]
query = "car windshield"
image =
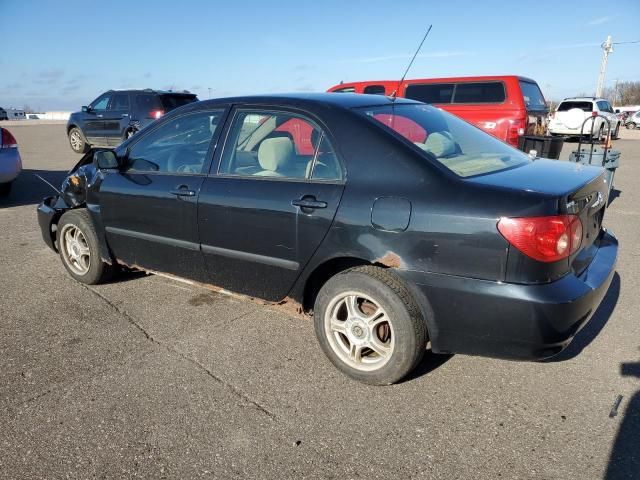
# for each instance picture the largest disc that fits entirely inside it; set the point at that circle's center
(459, 146)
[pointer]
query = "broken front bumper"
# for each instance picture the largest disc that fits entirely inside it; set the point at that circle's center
(49, 211)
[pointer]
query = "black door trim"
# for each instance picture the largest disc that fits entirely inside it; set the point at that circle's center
(154, 238)
(251, 257)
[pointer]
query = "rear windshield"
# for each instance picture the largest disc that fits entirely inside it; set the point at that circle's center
(445, 138)
(169, 102)
(533, 98)
(466, 92)
(566, 106)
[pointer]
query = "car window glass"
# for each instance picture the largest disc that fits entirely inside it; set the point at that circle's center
(430, 92)
(447, 139)
(120, 102)
(345, 90)
(532, 96)
(101, 103)
(566, 106)
(480, 92)
(178, 146)
(146, 103)
(374, 89)
(278, 144)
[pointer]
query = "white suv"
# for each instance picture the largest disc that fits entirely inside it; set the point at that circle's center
(572, 112)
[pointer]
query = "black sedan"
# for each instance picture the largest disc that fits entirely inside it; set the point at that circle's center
(398, 225)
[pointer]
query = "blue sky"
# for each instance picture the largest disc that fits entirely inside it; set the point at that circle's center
(62, 54)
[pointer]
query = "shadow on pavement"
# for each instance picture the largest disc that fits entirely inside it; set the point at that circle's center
(615, 193)
(593, 327)
(624, 462)
(28, 189)
(430, 362)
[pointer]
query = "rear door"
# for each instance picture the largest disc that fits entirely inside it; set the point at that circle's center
(266, 209)
(116, 118)
(149, 207)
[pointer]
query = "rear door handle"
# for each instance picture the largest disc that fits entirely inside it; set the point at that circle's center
(309, 202)
(182, 192)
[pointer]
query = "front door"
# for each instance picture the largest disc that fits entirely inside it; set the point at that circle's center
(149, 207)
(93, 120)
(267, 208)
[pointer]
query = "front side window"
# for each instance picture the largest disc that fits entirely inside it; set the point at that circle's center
(462, 148)
(278, 144)
(101, 103)
(179, 146)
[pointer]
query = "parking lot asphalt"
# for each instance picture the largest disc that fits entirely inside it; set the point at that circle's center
(151, 377)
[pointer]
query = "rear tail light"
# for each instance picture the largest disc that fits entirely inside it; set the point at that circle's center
(156, 113)
(516, 128)
(594, 114)
(546, 239)
(7, 140)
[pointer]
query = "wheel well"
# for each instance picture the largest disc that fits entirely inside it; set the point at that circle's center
(324, 272)
(70, 127)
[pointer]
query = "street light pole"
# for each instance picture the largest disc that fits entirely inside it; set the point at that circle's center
(607, 48)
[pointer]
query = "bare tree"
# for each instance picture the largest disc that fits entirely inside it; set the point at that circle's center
(626, 93)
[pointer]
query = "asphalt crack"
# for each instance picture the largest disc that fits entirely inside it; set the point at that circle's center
(230, 387)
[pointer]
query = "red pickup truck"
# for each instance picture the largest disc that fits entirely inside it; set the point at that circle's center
(506, 106)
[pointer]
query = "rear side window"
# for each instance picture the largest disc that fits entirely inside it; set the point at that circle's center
(120, 102)
(469, 92)
(566, 106)
(532, 95)
(374, 89)
(169, 102)
(259, 146)
(485, 92)
(148, 102)
(345, 90)
(431, 92)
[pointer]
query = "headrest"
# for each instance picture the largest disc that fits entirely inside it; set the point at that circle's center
(440, 144)
(274, 153)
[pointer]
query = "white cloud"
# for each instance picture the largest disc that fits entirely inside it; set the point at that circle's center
(600, 20)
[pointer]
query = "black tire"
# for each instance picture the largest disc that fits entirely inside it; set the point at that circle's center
(98, 271)
(630, 126)
(77, 141)
(616, 133)
(129, 132)
(406, 328)
(5, 189)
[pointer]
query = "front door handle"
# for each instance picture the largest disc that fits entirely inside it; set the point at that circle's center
(183, 191)
(309, 202)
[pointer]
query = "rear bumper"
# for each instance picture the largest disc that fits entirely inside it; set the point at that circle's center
(10, 164)
(503, 320)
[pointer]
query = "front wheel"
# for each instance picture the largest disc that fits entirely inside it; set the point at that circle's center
(79, 248)
(630, 126)
(369, 326)
(77, 141)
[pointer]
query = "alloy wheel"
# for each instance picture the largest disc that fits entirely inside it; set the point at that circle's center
(75, 249)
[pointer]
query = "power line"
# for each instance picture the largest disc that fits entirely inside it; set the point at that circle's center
(622, 43)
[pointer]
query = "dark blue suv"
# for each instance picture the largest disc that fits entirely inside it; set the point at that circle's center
(117, 114)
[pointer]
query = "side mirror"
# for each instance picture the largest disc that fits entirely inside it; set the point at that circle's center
(105, 159)
(86, 109)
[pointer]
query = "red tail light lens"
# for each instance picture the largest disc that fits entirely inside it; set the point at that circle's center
(594, 114)
(516, 128)
(547, 239)
(156, 113)
(7, 140)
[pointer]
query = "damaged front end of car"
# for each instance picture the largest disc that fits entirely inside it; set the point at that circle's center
(78, 190)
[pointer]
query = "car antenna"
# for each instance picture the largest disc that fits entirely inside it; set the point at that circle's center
(57, 191)
(395, 92)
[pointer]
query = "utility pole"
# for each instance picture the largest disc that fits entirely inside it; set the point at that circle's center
(615, 93)
(607, 48)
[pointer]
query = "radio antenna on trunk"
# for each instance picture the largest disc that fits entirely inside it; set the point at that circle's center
(395, 92)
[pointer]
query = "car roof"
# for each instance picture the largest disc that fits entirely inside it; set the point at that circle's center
(345, 100)
(584, 99)
(151, 90)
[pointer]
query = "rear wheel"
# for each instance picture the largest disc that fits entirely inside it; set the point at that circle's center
(79, 248)
(77, 141)
(369, 326)
(630, 126)
(616, 133)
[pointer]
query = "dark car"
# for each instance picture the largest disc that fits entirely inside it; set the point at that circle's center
(3, 114)
(117, 114)
(452, 237)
